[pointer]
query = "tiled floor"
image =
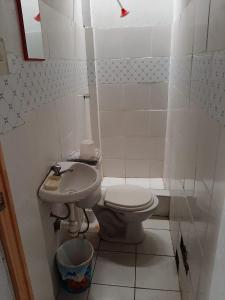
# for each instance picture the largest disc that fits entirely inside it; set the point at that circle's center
(143, 272)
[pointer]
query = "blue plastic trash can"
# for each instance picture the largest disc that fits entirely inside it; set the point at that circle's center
(74, 262)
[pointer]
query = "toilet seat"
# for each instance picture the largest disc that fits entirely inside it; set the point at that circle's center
(128, 198)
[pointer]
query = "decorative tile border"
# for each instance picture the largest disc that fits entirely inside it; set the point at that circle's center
(32, 84)
(136, 70)
(205, 74)
(208, 84)
(129, 70)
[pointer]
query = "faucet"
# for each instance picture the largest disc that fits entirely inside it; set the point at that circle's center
(56, 169)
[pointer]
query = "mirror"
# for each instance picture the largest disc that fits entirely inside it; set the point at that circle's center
(30, 27)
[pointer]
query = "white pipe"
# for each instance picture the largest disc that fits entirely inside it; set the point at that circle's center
(73, 221)
(120, 4)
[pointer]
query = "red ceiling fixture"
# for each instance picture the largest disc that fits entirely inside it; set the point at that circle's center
(124, 12)
(37, 17)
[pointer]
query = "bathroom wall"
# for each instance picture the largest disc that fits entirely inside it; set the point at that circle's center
(41, 121)
(132, 67)
(6, 291)
(195, 145)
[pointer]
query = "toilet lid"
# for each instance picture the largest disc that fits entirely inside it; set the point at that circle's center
(128, 197)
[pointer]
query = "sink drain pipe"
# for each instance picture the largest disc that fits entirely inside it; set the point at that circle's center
(74, 222)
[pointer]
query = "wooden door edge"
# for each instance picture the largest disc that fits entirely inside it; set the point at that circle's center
(11, 241)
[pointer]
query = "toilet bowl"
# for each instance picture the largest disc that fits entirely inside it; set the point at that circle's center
(121, 211)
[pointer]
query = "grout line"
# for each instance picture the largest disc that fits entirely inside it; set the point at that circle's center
(156, 228)
(135, 252)
(152, 254)
(151, 289)
(139, 288)
(107, 284)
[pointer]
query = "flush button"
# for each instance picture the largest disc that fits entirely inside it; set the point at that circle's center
(3, 59)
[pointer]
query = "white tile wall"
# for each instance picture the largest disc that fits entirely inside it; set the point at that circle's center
(6, 291)
(112, 123)
(137, 96)
(132, 63)
(216, 39)
(137, 168)
(41, 117)
(157, 123)
(111, 97)
(123, 42)
(161, 41)
(32, 85)
(137, 147)
(136, 123)
(113, 147)
(159, 96)
(194, 143)
(113, 167)
(106, 15)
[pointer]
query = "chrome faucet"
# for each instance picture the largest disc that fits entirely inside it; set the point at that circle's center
(57, 170)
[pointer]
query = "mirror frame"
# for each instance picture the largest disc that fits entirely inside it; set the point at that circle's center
(23, 34)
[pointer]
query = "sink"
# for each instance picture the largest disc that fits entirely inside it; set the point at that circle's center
(77, 185)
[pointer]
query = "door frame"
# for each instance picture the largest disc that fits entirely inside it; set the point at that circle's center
(11, 240)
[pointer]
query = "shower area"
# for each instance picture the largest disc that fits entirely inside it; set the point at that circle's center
(128, 68)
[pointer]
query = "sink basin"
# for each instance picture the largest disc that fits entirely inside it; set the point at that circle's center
(79, 182)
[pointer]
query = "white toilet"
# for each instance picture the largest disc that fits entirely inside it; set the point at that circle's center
(121, 211)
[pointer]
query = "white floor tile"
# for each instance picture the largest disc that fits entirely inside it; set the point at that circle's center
(93, 262)
(104, 292)
(156, 224)
(157, 184)
(120, 247)
(156, 272)
(143, 182)
(110, 181)
(156, 242)
(63, 295)
(115, 269)
(156, 295)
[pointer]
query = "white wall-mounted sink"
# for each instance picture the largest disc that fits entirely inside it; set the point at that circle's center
(73, 186)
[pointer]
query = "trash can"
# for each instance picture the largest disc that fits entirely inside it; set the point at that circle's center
(74, 262)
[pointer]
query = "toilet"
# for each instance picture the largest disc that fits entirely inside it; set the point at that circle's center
(121, 211)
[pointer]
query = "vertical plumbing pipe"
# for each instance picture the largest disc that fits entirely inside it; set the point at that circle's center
(74, 221)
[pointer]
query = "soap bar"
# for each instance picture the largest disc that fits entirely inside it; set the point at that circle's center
(52, 183)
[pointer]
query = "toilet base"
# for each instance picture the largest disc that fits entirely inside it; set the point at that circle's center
(134, 234)
(122, 226)
(117, 227)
